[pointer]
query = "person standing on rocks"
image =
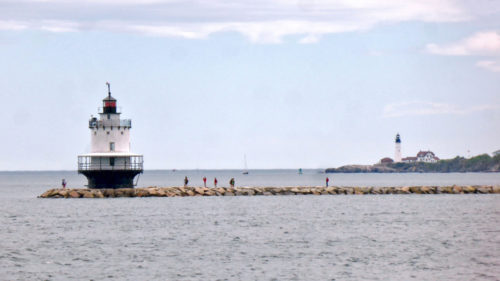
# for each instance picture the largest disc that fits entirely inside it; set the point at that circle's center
(186, 181)
(204, 181)
(215, 182)
(327, 180)
(231, 182)
(64, 183)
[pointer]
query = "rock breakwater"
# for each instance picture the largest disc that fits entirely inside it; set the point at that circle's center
(266, 191)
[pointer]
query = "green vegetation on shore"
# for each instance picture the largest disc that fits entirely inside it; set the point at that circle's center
(480, 163)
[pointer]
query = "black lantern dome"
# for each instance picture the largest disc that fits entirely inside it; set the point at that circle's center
(109, 103)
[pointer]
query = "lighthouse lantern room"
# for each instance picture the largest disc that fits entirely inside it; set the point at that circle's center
(110, 164)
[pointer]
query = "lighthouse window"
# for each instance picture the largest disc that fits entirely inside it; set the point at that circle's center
(111, 161)
(122, 133)
(109, 116)
(111, 146)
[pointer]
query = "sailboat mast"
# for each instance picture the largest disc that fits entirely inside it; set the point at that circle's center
(245, 171)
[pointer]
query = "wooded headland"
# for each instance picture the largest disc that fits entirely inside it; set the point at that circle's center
(480, 163)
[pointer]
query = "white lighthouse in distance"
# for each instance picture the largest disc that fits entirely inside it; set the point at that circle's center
(110, 164)
(397, 153)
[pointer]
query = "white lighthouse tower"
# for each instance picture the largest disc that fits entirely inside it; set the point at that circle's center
(110, 164)
(397, 153)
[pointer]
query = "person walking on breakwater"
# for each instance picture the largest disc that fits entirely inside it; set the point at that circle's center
(64, 183)
(231, 182)
(215, 182)
(186, 181)
(327, 180)
(204, 181)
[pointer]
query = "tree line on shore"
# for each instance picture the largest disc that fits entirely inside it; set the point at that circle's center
(479, 163)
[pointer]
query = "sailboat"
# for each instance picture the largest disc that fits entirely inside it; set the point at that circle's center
(245, 170)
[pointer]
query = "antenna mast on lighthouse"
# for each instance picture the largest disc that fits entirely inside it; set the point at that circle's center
(109, 89)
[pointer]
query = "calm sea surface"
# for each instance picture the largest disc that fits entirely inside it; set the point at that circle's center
(380, 237)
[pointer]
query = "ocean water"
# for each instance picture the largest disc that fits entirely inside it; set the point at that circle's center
(379, 237)
(32, 184)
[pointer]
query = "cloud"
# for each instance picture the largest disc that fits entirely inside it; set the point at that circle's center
(481, 43)
(485, 43)
(431, 108)
(257, 32)
(59, 26)
(12, 25)
(309, 39)
(490, 65)
(261, 21)
(375, 53)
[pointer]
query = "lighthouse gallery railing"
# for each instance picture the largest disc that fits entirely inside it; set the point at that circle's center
(125, 123)
(118, 163)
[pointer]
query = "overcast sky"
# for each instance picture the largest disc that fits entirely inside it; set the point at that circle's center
(291, 84)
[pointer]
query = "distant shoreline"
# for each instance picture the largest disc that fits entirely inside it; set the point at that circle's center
(478, 164)
(351, 169)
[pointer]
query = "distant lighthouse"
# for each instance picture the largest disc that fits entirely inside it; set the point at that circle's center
(110, 164)
(397, 153)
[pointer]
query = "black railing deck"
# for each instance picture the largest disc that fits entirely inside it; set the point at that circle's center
(101, 167)
(110, 163)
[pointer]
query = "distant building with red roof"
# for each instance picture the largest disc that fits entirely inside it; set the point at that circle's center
(409, 159)
(386, 160)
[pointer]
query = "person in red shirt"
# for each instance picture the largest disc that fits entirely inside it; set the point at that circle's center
(327, 180)
(205, 181)
(215, 182)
